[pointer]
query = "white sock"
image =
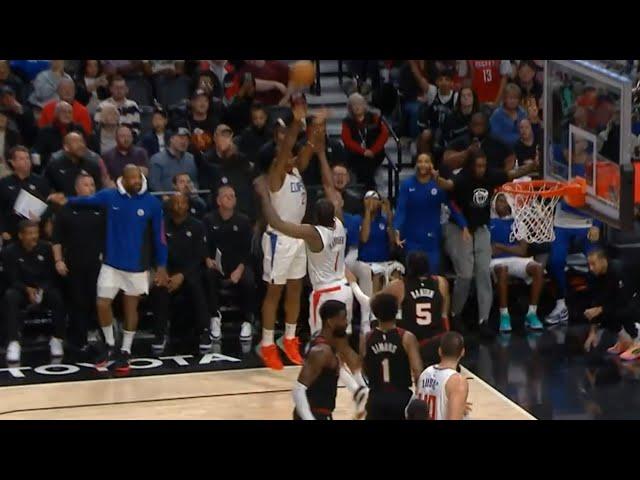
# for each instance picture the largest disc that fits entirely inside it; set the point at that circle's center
(289, 330)
(560, 303)
(533, 309)
(504, 311)
(127, 340)
(108, 335)
(267, 337)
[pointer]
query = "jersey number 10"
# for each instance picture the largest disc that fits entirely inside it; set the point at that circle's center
(423, 313)
(431, 406)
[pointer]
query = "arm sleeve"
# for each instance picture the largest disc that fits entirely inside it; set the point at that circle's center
(11, 272)
(301, 402)
(401, 207)
(58, 237)
(245, 247)
(456, 213)
(159, 240)
(501, 127)
(380, 142)
(85, 120)
(100, 199)
(348, 141)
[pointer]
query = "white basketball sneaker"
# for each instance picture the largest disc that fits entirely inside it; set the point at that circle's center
(246, 332)
(559, 314)
(13, 352)
(216, 326)
(55, 346)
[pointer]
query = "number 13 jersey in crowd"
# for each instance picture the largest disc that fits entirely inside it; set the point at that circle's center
(422, 308)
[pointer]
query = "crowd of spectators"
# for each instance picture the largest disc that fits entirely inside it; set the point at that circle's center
(201, 131)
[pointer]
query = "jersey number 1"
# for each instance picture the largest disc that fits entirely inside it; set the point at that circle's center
(386, 374)
(423, 313)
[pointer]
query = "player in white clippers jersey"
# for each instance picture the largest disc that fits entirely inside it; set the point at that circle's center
(285, 261)
(441, 387)
(325, 244)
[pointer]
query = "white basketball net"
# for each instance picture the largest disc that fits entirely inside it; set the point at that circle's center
(532, 212)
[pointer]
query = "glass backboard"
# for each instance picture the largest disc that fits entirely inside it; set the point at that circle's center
(588, 133)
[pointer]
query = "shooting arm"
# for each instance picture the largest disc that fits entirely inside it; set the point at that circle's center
(304, 157)
(283, 153)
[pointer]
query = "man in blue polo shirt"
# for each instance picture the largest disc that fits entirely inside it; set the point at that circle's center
(135, 232)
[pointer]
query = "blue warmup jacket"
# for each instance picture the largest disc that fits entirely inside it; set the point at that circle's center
(500, 233)
(135, 228)
(418, 213)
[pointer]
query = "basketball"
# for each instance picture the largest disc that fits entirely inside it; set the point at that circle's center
(303, 73)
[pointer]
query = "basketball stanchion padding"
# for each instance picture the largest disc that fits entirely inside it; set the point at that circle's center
(534, 203)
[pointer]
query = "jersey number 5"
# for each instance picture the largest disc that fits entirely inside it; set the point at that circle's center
(423, 313)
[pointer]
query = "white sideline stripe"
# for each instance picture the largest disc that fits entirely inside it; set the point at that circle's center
(506, 400)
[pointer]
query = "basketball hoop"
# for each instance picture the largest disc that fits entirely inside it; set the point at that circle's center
(534, 202)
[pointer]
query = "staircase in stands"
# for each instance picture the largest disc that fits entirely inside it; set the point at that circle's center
(333, 96)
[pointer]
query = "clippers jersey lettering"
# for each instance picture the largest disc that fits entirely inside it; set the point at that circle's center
(290, 202)
(431, 389)
(326, 267)
(386, 363)
(422, 308)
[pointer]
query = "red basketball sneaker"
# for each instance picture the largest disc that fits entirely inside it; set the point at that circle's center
(292, 350)
(271, 357)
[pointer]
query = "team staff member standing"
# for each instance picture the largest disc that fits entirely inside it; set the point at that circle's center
(21, 179)
(417, 219)
(28, 266)
(131, 213)
(78, 245)
(187, 250)
(473, 188)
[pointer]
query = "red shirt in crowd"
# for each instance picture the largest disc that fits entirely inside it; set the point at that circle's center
(485, 79)
(272, 70)
(356, 145)
(80, 115)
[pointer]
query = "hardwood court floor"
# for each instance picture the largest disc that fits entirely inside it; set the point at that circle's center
(250, 394)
